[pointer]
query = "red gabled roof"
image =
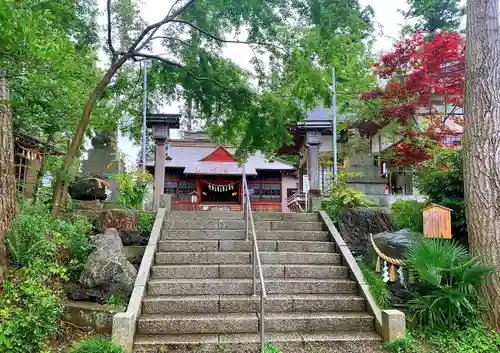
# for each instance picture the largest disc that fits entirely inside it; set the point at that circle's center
(219, 155)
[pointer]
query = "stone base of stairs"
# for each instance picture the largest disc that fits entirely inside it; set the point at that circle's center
(292, 342)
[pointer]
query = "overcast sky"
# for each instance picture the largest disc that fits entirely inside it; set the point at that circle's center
(387, 17)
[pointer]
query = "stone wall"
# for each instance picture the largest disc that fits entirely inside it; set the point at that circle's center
(97, 316)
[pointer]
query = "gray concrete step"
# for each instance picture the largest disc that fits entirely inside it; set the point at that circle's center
(315, 258)
(319, 322)
(286, 216)
(202, 258)
(237, 224)
(211, 286)
(243, 245)
(245, 271)
(214, 234)
(197, 323)
(204, 215)
(292, 342)
(251, 304)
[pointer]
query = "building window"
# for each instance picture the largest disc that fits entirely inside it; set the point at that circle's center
(181, 190)
(290, 192)
(264, 192)
(171, 188)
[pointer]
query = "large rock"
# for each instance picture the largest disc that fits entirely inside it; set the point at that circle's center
(107, 268)
(126, 223)
(88, 189)
(356, 225)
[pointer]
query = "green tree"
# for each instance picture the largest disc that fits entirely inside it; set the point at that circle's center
(436, 14)
(295, 37)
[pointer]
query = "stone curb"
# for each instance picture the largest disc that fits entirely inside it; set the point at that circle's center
(124, 324)
(349, 261)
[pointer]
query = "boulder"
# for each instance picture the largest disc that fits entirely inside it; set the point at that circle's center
(356, 225)
(126, 223)
(88, 189)
(107, 268)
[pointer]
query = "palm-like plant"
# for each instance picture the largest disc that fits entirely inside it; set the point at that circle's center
(448, 279)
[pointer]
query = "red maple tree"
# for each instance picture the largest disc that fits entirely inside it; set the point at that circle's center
(423, 91)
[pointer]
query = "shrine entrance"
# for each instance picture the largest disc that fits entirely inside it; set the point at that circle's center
(220, 192)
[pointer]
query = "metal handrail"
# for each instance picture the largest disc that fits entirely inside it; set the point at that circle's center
(256, 264)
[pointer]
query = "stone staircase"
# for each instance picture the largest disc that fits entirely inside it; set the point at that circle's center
(199, 295)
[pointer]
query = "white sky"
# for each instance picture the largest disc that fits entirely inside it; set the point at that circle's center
(387, 17)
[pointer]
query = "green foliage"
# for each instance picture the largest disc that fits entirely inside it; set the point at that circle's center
(436, 14)
(95, 345)
(404, 344)
(474, 337)
(378, 288)
(271, 348)
(145, 222)
(408, 214)
(342, 196)
(441, 179)
(35, 237)
(29, 311)
(132, 188)
(117, 300)
(448, 280)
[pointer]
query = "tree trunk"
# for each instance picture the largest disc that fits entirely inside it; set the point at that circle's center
(80, 131)
(481, 144)
(8, 194)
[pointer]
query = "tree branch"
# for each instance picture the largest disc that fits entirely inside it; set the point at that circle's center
(110, 40)
(179, 66)
(210, 35)
(156, 26)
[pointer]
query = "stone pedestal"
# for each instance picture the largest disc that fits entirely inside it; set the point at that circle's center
(393, 324)
(314, 200)
(313, 142)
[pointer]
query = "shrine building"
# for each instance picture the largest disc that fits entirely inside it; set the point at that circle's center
(200, 175)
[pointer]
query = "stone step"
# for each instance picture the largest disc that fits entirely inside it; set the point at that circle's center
(243, 245)
(251, 304)
(237, 224)
(245, 271)
(248, 322)
(214, 234)
(286, 216)
(212, 286)
(267, 257)
(204, 215)
(202, 257)
(197, 323)
(292, 342)
(319, 322)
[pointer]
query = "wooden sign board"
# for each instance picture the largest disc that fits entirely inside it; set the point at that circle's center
(437, 222)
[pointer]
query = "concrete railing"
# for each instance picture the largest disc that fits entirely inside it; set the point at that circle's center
(390, 324)
(124, 324)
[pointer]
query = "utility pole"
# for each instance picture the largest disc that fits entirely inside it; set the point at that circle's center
(144, 115)
(334, 125)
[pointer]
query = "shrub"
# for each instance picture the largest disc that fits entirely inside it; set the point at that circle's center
(404, 344)
(441, 179)
(96, 345)
(35, 236)
(408, 214)
(378, 288)
(447, 279)
(145, 223)
(342, 196)
(132, 188)
(271, 348)
(29, 311)
(475, 337)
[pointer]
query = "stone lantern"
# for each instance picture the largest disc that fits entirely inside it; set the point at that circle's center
(161, 125)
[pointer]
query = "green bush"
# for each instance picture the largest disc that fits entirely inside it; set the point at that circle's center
(408, 214)
(95, 345)
(132, 188)
(29, 311)
(271, 348)
(441, 179)
(35, 236)
(473, 338)
(145, 222)
(447, 278)
(378, 288)
(342, 196)
(404, 344)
